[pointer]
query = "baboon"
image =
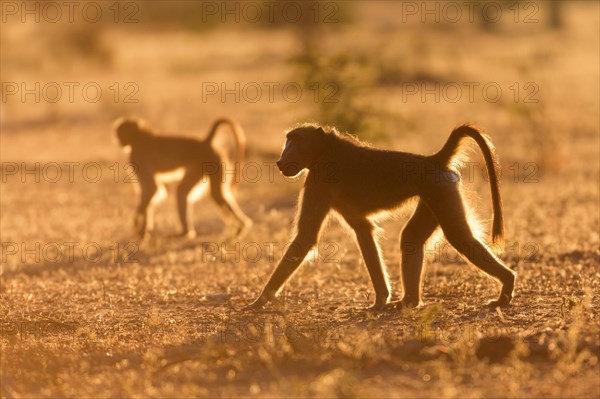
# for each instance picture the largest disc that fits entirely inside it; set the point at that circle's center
(358, 182)
(153, 155)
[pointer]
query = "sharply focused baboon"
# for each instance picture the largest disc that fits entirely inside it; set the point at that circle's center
(357, 182)
(153, 155)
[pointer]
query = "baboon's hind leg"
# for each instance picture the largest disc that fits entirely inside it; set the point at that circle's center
(224, 198)
(450, 213)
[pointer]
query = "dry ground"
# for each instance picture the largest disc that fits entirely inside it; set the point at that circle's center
(161, 319)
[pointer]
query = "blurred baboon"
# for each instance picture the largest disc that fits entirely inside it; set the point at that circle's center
(358, 181)
(153, 155)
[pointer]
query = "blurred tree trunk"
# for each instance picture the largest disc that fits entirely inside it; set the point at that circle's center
(555, 20)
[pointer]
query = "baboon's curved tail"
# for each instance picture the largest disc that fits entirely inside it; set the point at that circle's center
(240, 143)
(451, 150)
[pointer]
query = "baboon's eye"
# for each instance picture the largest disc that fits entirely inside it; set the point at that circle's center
(298, 142)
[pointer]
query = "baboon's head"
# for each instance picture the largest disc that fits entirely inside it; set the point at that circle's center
(127, 131)
(302, 149)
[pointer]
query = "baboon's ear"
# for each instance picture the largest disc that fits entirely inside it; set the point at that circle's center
(131, 125)
(122, 124)
(320, 130)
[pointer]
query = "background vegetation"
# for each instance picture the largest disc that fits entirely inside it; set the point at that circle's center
(160, 318)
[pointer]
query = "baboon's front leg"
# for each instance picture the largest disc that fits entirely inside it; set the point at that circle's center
(372, 256)
(148, 189)
(312, 213)
(291, 260)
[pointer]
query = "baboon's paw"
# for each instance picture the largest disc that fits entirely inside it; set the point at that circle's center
(256, 305)
(146, 236)
(189, 234)
(403, 304)
(377, 307)
(242, 230)
(252, 307)
(501, 302)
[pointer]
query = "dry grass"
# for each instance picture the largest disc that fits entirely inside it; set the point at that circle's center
(164, 322)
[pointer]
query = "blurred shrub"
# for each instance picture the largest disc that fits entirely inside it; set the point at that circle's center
(88, 42)
(340, 81)
(178, 14)
(81, 40)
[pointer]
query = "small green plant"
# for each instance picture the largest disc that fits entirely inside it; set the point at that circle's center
(341, 82)
(83, 41)
(566, 349)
